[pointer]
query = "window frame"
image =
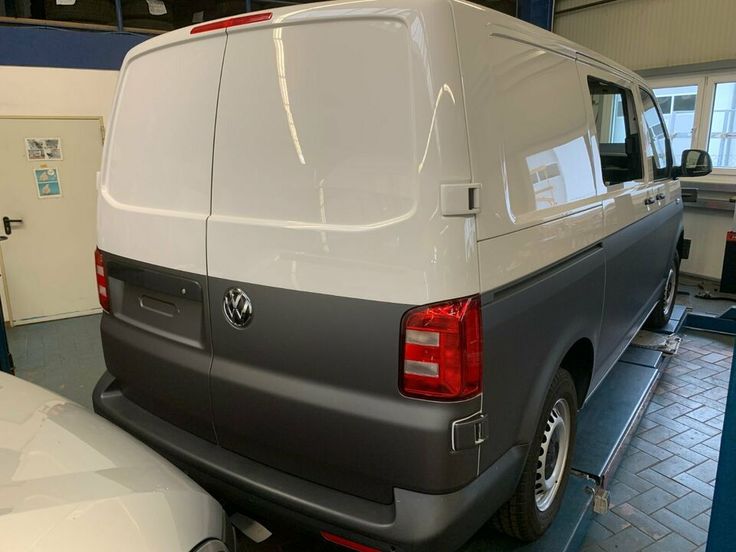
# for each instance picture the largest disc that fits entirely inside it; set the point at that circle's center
(704, 103)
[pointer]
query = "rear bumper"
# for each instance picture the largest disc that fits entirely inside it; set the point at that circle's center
(414, 521)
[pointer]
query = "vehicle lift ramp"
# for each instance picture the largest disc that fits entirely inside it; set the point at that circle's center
(605, 426)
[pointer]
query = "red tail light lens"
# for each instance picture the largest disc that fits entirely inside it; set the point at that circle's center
(232, 22)
(102, 288)
(442, 350)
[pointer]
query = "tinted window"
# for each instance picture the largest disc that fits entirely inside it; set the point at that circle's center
(657, 144)
(616, 130)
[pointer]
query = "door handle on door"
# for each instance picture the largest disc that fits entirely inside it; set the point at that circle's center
(660, 196)
(7, 222)
(649, 201)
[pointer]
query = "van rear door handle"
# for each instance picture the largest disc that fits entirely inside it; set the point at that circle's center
(660, 196)
(649, 201)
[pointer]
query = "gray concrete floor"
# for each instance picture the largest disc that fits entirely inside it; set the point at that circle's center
(661, 495)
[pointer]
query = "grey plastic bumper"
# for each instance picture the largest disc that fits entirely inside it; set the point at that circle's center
(415, 521)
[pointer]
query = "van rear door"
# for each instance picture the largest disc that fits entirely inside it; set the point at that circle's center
(153, 205)
(337, 126)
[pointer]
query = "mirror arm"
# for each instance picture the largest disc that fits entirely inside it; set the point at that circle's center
(676, 172)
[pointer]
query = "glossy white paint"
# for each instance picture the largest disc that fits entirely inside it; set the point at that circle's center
(528, 131)
(70, 480)
(331, 184)
(337, 125)
(156, 175)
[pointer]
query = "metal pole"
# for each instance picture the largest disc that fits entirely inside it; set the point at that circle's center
(119, 14)
(6, 359)
(248, 5)
(720, 532)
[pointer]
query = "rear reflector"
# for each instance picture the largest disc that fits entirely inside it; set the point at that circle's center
(442, 350)
(346, 543)
(232, 22)
(102, 288)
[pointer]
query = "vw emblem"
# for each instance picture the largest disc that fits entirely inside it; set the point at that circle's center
(237, 308)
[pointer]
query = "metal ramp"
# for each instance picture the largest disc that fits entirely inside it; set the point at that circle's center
(605, 426)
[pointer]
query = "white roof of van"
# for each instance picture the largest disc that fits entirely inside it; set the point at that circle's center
(319, 10)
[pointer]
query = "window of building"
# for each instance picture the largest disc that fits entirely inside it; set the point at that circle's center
(678, 107)
(700, 113)
(722, 136)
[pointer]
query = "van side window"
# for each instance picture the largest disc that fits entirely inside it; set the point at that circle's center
(616, 129)
(657, 142)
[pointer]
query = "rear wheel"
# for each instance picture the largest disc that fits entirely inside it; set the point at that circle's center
(530, 511)
(663, 310)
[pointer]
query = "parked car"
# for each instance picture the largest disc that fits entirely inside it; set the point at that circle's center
(70, 480)
(362, 263)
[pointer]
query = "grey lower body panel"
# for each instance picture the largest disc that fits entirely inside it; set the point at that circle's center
(413, 521)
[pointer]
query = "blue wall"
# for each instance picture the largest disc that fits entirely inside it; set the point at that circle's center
(54, 47)
(538, 12)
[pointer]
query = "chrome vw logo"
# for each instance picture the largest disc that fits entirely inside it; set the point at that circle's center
(237, 307)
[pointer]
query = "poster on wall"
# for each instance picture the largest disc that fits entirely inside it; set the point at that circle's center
(44, 149)
(48, 183)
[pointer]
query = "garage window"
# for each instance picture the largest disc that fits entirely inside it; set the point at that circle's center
(618, 139)
(722, 138)
(678, 107)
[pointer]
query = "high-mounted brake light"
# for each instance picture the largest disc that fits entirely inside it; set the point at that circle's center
(232, 22)
(347, 543)
(102, 287)
(442, 350)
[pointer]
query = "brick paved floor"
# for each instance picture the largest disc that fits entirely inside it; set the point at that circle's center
(661, 494)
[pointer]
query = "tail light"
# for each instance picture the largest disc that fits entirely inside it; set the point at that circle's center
(232, 22)
(102, 288)
(442, 350)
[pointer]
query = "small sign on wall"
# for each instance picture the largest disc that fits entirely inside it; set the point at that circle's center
(44, 149)
(48, 183)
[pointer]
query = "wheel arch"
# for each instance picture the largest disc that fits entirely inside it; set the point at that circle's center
(579, 361)
(578, 358)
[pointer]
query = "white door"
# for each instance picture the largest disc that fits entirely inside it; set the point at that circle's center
(48, 257)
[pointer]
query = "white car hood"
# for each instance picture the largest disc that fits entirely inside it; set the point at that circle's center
(70, 480)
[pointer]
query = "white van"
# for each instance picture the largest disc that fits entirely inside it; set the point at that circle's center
(363, 262)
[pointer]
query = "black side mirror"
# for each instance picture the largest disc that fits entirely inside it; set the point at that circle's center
(694, 163)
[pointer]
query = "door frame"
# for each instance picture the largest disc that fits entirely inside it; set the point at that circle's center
(4, 291)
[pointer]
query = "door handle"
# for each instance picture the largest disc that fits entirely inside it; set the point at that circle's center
(7, 222)
(649, 201)
(660, 196)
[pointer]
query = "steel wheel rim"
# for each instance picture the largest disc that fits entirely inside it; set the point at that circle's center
(669, 292)
(552, 457)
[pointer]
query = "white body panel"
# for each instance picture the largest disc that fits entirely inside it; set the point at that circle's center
(156, 174)
(326, 173)
(337, 192)
(70, 480)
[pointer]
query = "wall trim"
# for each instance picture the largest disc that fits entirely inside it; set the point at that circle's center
(689, 69)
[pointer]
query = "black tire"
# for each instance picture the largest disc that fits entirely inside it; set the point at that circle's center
(521, 517)
(663, 310)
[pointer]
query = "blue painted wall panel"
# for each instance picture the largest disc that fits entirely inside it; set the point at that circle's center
(54, 47)
(538, 12)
